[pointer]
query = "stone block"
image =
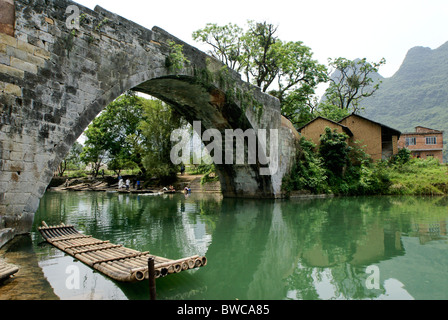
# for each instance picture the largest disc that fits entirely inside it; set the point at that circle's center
(23, 65)
(13, 72)
(8, 40)
(25, 46)
(45, 36)
(16, 156)
(13, 89)
(38, 61)
(25, 53)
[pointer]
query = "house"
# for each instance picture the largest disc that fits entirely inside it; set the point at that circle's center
(423, 143)
(314, 129)
(378, 140)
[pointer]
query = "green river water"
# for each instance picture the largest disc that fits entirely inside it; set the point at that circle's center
(336, 248)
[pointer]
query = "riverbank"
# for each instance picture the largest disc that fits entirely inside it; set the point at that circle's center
(414, 177)
(110, 184)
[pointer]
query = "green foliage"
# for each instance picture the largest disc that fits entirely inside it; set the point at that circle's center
(267, 62)
(176, 59)
(351, 82)
(202, 169)
(350, 169)
(418, 177)
(72, 161)
(336, 168)
(347, 170)
(372, 180)
(308, 172)
(334, 151)
(118, 164)
(225, 41)
(99, 26)
(332, 112)
(209, 172)
(109, 135)
(402, 157)
(159, 122)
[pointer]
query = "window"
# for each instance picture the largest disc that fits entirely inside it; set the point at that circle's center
(411, 141)
(431, 140)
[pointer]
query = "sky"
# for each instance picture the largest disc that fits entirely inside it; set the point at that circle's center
(352, 29)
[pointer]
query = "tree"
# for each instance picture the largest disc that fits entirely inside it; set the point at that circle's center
(94, 156)
(159, 121)
(225, 41)
(330, 111)
(351, 82)
(286, 70)
(261, 49)
(72, 160)
(114, 136)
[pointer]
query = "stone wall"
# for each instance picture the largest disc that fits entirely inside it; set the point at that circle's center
(54, 80)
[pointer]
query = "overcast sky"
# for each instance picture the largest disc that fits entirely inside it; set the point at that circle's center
(348, 28)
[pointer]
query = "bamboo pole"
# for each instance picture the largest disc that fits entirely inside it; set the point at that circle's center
(152, 279)
(111, 246)
(125, 268)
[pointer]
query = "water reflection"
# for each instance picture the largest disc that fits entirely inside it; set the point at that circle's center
(263, 249)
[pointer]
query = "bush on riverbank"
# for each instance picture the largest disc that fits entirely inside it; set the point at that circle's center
(419, 177)
(335, 168)
(339, 169)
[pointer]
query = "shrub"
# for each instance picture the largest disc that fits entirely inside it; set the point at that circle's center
(308, 172)
(402, 157)
(334, 151)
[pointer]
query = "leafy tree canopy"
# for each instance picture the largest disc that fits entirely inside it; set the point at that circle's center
(109, 136)
(160, 120)
(285, 69)
(351, 82)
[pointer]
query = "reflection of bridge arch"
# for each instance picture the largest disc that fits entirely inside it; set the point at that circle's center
(55, 81)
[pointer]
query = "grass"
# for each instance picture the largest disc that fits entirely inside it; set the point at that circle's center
(419, 177)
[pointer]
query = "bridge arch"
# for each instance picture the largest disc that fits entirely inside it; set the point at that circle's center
(56, 79)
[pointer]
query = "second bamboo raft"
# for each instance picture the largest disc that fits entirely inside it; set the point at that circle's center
(115, 261)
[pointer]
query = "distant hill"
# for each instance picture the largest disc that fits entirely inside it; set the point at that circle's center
(416, 95)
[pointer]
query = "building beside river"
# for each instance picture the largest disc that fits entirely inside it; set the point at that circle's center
(377, 140)
(423, 143)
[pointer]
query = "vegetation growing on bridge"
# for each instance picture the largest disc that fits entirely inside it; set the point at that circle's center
(176, 60)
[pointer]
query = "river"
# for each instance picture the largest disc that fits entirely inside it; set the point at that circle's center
(337, 248)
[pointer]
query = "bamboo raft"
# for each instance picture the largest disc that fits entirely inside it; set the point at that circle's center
(115, 261)
(7, 270)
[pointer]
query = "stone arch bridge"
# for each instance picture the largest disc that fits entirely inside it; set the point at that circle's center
(62, 63)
